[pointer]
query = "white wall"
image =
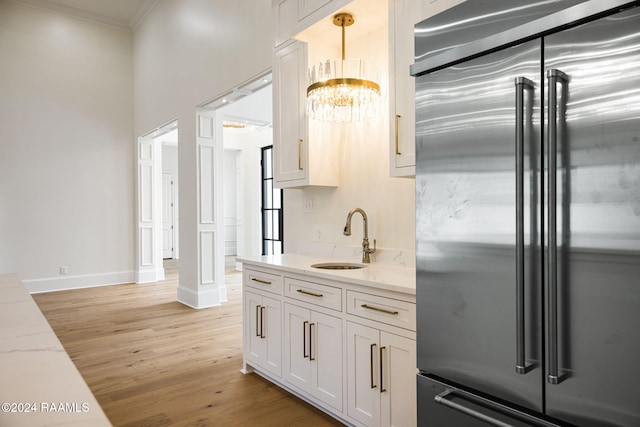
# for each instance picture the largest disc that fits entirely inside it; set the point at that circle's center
(66, 150)
(364, 175)
(188, 52)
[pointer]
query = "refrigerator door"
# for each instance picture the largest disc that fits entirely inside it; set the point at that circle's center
(474, 19)
(480, 297)
(594, 260)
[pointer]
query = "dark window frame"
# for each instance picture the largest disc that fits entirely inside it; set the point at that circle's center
(272, 206)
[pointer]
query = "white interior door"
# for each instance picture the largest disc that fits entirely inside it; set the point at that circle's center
(167, 216)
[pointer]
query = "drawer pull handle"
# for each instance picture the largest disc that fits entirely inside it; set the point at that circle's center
(371, 351)
(260, 281)
(311, 325)
(398, 153)
(382, 389)
(383, 310)
(304, 338)
(257, 320)
(302, 291)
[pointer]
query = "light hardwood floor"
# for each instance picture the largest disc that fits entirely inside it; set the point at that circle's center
(151, 361)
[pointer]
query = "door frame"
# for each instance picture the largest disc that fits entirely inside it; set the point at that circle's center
(172, 213)
(149, 266)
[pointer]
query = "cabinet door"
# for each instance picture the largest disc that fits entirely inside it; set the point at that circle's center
(363, 374)
(253, 340)
(326, 358)
(296, 346)
(285, 19)
(398, 381)
(402, 92)
(271, 320)
(263, 332)
(403, 15)
(307, 7)
(289, 115)
(597, 282)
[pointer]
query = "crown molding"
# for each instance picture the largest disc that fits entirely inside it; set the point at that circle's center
(52, 6)
(142, 14)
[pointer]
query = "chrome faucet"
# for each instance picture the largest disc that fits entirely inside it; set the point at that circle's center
(365, 241)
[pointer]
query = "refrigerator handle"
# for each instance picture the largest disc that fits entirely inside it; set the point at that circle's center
(521, 84)
(554, 77)
(447, 397)
(445, 400)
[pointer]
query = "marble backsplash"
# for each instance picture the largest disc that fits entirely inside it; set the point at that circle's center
(353, 253)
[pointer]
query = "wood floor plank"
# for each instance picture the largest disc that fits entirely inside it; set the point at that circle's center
(151, 361)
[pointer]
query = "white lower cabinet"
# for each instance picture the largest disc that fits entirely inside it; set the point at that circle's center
(381, 377)
(313, 353)
(263, 332)
(348, 349)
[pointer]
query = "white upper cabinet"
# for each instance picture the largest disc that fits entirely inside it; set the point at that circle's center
(299, 162)
(292, 16)
(289, 115)
(403, 15)
(285, 20)
(307, 7)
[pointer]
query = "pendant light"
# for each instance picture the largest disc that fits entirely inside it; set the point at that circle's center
(340, 90)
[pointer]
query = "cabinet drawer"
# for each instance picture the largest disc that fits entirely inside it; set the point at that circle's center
(384, 310)
(315, 293)
(265, 281)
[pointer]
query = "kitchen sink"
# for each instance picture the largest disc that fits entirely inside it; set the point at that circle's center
(338, 266)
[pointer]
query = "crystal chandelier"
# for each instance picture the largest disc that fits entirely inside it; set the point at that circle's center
(340, 90)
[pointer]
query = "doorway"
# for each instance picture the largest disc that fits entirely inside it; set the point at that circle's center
(170, 192)
(245, 116)
(157, 194)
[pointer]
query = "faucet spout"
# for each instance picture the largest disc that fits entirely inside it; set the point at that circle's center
(366, 251)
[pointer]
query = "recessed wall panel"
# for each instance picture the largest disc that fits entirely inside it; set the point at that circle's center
(146, 246)
(146, 194)
(207, 257)
(146, 150)
(207, 159)
(205, 127)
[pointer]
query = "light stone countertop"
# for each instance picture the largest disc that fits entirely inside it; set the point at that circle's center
(38, 380)
(386, 274)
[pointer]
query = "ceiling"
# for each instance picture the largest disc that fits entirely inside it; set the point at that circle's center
(123, 14)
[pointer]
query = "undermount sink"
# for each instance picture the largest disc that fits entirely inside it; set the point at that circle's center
(338, 266)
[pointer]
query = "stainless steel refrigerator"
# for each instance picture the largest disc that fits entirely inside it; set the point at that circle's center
(528, 223)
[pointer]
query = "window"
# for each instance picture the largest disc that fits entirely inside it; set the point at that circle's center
(272, 221)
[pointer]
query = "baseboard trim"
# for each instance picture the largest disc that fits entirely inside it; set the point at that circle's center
(51, 284)
(201, 299)
(149, 275)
